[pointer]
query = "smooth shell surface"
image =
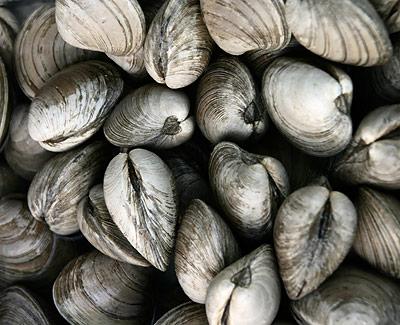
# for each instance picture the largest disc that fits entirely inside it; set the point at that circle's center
(186, 314)
(73, 105)
(249, 188)
(62, 183)
(374, 154)
(204, 246)
(100, 230)
(310, 106)
(178, 46)
(346, 31)
(19, 306)
(95, 289)
(228, 103)
(246, 292)
(153, 116)
(351, 296)
(139, 192)
(40, 52)
(313, 232)
(378, 233)
(243, 25)
(115, 27)
(24, 155)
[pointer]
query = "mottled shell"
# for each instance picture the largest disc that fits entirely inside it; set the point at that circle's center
(115, 27)
(40, 52)
(378, 233)
(95, 289)
(153, 116)
(204, 246)
(346, 31)
(228, 104)
(313, 232)
(73, 105)
(62, 183)
(29, 251)
(100, 230)
(249, 188)
(139, 192)
(186, 314)
(310, 106)
(178, 46)
(247, 292)
(8, 30)
(389, 10)
(240, 26)
(374, 154)
(10, 182)
(133, 64)
(351, 296)
(24, 155)
(20, 306)
(5, 102)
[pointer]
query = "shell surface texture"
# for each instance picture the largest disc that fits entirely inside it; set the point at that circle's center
(188, 313)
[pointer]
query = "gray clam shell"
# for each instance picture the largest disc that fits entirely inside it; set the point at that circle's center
(186, 314)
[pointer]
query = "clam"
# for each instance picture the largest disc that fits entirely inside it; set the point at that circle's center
(24, 155)
(153, 116)
(115, 27)
(29, 251)
(95, 289)
(389, 10)
(139, 192)
(228, 104)
(177, 47)
(204, 246)
(132, 64)
(5, 102)
(310, 105)
(378, 233)
(313, 232)
(246, 292)
(40, 52)
(384, 79)
(249, 188)
(8, 29)
(188, 313)
(73, 105)
(100, 230)
(351, 296)
(19, 306)
(346, 31)
(62, 183)
(374, 154)
(10, 182)
(241, 26)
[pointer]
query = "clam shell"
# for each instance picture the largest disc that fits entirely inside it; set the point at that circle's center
(240, 26)
(100, 230)
(73, 105)
(40, 52)
(316, 118)
(204, 246)
(139, 192)
(20, 306)
(8, 29)
(5, 102)
(246, 292)
(178, 46)
(132, 64)
(313, 232)
(185, 314)
(24, 155)
(351, 296)
(374, 154)
(249, 188)
(29, 251)
(346, 31)
(115, 27)
(378, 233)
(228, 104)
(95, 289)
(390, 12)
(62, 183)
(153, 116)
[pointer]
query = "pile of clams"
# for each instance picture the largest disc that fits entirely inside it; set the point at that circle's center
(199, 162)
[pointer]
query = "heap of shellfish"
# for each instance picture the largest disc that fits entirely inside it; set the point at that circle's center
(199, 162)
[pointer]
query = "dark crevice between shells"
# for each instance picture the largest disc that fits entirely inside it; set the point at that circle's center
(394, 11)
(324, 221)
(171, 126)
(133, 176)
(342, 104)
(392, 135)
(252, 114)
